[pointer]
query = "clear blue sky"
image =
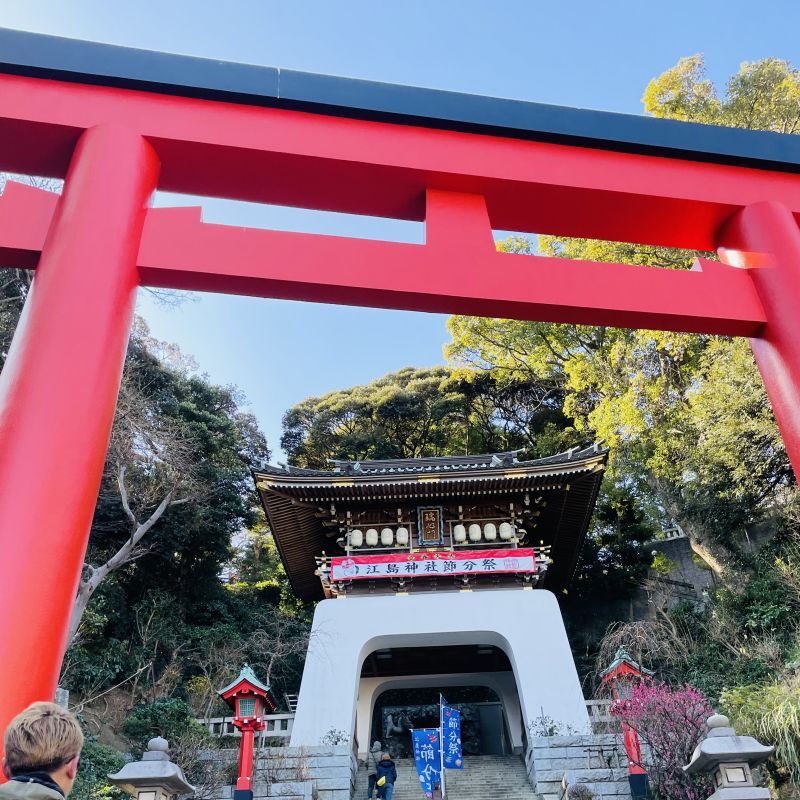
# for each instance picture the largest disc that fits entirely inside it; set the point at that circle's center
(578, 53)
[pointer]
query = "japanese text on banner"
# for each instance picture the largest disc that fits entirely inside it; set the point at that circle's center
(370, 567)
(451, 738)
(427, 758)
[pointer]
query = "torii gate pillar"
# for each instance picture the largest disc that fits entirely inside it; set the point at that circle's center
(58, 392)
(764, 238)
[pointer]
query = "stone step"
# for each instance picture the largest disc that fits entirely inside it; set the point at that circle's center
(481, 778)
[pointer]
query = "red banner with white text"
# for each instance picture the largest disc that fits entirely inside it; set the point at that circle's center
(409, 565)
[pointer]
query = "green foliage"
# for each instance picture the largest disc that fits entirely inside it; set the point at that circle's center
(409, 413)
(771, 713)
(153, 621)
(190, 543)
(662, 565)
(97, 762)
(169, 718)
(424, 412)
(613, 560)
(747, 633)
(691, 431)
(764, 95)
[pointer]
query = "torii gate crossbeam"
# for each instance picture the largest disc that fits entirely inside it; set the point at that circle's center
(117, 124)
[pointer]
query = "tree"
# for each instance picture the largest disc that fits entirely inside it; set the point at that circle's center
(407, 414)
(425, 412)
(764, 95)
(670, 723)
(691, 431)
(154, 565)
(152, 457)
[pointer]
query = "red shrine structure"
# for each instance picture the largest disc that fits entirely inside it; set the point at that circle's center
(117, 124)
(250, 700)
(619, 677)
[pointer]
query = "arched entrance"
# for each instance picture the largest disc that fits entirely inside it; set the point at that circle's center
(389, 707)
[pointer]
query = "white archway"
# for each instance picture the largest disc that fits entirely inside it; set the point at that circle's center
(526, 625)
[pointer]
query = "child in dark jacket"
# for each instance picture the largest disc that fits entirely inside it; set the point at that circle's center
(386, 769)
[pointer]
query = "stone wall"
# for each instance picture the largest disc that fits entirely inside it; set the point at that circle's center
(687, 580)
(598, 761)
(303, 773)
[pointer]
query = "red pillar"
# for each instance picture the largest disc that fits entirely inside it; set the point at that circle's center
(58, 392)
(245, 779)
(764, 238)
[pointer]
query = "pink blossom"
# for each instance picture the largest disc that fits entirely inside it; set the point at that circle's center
(670, 722)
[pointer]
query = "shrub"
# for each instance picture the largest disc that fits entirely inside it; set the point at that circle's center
(580, 791)
(97, 762)
(546, 726)
(670, 723)
(334, 737)
(771, 713)
(168, 717)
(662, 565)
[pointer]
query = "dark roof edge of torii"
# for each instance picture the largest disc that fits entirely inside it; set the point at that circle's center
(77, 61)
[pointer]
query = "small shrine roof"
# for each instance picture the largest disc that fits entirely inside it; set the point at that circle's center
(622, 656)
(297, 500)
(248, 675)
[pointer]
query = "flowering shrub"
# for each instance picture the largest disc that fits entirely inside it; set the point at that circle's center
(670, 723)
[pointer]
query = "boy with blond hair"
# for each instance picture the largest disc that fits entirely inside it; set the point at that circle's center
(42, 751)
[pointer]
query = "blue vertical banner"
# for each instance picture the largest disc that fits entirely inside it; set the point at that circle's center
(427, 757)
(451, 738)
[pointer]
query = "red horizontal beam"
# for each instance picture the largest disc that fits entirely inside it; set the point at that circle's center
(457, 271)
(25, 216)
(380, 168)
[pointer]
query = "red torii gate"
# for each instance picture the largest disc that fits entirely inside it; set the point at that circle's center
(119, 123)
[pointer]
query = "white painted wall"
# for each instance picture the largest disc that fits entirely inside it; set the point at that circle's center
(503, 684)
(526, 625)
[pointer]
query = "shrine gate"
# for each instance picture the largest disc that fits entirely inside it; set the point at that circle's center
(119, 123)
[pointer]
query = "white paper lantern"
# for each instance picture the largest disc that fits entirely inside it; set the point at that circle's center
(506, 531)
(387, 537)
(490, 531)
(474, 532)
(372, 537)
(459, 533)
(356, 537)
(402, 537)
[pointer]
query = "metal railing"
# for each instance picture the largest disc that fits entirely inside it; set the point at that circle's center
(278, 726)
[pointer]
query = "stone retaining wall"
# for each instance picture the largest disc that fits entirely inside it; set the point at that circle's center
(303, 773)
(598, 761)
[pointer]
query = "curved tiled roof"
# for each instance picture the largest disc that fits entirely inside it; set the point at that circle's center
(399, 466)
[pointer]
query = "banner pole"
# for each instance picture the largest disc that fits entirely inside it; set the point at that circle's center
(441, 740)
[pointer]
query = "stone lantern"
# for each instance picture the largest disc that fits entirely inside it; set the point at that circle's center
(730, 759)
(155, 777)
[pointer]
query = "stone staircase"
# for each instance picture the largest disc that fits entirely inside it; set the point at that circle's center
(483, 777)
